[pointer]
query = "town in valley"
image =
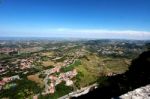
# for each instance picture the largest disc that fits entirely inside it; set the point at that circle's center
(40, 68)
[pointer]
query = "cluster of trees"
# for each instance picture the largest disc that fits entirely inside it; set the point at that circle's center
(24, 89)
(77, 80)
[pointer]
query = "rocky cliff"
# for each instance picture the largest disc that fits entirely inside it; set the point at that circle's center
(139, 93)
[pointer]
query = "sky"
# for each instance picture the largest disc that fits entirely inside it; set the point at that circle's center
(117, 19)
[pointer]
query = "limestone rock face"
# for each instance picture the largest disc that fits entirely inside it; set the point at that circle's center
(139, 93)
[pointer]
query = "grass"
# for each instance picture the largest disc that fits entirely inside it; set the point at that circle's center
(92, 67)
(47, 63)
(89, 69)
(116, 65)
(48, 54)
(35, 78)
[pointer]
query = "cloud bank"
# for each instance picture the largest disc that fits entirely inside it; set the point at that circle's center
(100, 33)
(80, 33)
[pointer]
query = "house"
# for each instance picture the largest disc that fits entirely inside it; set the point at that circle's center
(51, 88)
(52, 77)
(2, 83)
(35, 97)
(15, 77)
(6, 79)
(69, 82)
(56, 69)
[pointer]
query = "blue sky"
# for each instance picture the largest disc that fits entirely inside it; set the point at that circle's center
(128, 19)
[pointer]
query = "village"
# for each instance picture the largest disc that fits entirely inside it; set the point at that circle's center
(54, 80)
(24, 65)
(47, 66)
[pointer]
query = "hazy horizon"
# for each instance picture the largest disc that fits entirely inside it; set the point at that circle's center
(100, 19)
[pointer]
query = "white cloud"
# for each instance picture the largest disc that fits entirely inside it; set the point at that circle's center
(101, 33)
(78, 33)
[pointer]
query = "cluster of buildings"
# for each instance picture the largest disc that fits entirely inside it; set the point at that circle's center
(54, 80)
(111, 50)
(51, 80)
(69, 61)
(68, 76)
(6, 80)
(8, 50)
(26, 63)
(56, 69)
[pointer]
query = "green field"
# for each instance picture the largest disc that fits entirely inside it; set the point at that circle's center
(92, 67)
